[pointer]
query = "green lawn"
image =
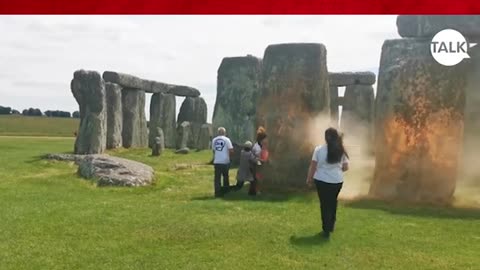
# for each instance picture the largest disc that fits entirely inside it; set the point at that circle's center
(52, 219)
(19, 125)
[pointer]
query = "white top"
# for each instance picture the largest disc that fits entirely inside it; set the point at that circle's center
(221, 146)
(256, 150)
(326, 172)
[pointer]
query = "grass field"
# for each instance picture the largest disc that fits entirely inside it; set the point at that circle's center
(19, 125)
(52, 219)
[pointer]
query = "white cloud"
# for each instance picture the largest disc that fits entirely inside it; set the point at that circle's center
(38, 54)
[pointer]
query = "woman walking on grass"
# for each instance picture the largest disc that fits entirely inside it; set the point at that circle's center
(328, 163)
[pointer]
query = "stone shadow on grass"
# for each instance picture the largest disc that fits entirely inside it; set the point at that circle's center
(397, 208)
(311, 240)
(242, 195)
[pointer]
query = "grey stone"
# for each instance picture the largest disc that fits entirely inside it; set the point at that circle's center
(357, 116)
(419, 112)
(114, 115)
(193, 110)
(158, 144)
(163, 115)
(351, 78)
(113, 171)
(184, 150)
(424, 26)
(134, 132)
(238, 84)
(205, 137)
(149, 86)
(295, 91)
(184, 135)
(88, 88)
(334, 109)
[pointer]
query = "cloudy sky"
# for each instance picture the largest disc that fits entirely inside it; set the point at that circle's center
(38, 54)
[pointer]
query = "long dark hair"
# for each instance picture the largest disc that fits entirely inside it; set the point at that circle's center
(335, 148)
(261, 135)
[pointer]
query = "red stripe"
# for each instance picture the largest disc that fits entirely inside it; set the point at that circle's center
(239, 7)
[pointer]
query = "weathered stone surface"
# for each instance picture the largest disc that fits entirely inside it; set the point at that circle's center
(88, 88)
(184, 150)
(114, 115)
(163, 115)
(134, 132)
(238, 83)
(184, 135)
(295, 91)
(181, 90)
(427, 26)
(149, 86)
(113, 171)
(159, 143)
(472, 119)
(419, 111)
(357, 116)
(193, 110)
(351, 78)
(205, 137)
(334, 110)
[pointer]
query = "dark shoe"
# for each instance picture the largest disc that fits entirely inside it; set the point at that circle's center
(325, 234)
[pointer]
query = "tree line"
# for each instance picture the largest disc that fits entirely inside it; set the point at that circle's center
(38, 112)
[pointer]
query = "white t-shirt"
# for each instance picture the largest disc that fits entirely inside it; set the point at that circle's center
(221, 146)
(326, 172)
(256, 150)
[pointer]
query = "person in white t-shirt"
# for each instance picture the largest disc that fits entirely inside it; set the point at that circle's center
(222, 150)
(328, 163)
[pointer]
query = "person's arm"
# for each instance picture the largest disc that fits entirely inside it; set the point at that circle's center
(311, 171)
(312, 168)
(230, 148)
(345, 164)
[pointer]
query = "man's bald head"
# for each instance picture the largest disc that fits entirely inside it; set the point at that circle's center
(221, 131)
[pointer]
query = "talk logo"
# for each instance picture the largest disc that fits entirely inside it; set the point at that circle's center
(449, 47)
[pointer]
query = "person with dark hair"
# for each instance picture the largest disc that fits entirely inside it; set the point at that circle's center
(328, 163)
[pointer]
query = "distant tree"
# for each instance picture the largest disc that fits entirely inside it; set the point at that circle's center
(57, 114)
(32, 112)
(15, 112)
(5, 110)
(76, 114)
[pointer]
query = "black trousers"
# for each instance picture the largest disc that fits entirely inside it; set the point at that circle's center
(328, 194)
(221, 170)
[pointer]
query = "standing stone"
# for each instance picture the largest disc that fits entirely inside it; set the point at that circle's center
(194, 111)
(205, 137)
(163, 115)
(88, 88)
(158, 143)
(472, 118)
(422, 26)
(295, 91)
(184, 135)
(419, 129)
(357, 116)
(135, 132)
(334, 110)
(114, 115)
(238, 83)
